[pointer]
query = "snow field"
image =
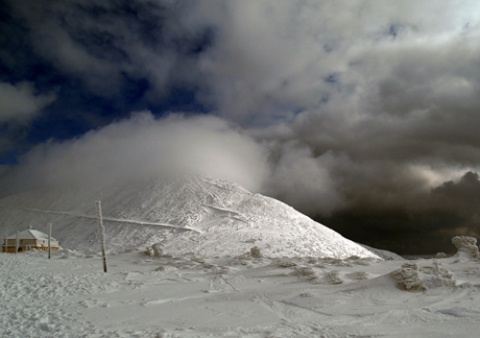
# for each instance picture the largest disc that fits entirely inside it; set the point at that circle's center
(191, 296)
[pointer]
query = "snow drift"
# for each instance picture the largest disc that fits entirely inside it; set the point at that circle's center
(202, 216)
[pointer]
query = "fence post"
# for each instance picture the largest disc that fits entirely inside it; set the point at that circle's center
(98, 205)
(49, 239)
(17, 243)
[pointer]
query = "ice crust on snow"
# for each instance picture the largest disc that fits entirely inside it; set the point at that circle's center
(202, 216)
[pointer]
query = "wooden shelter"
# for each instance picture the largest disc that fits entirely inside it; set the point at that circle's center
(29, 239)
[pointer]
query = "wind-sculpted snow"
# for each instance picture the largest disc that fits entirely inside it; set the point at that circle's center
(204, 216)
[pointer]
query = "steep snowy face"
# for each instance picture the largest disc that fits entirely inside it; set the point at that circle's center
(204, 216)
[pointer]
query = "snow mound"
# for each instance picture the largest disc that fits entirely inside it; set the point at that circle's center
(467, 248)
(201, 216)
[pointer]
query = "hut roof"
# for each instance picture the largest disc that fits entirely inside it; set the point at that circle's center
(30, 234)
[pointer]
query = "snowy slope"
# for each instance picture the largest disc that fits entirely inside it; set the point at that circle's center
(207, 217)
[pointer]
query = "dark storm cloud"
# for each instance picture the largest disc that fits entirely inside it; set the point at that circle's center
(99, 41)
(365, 109)
(416, 221)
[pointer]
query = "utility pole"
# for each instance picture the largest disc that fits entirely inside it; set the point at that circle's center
(98, 205)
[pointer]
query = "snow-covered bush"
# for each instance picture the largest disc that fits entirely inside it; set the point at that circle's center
(437, 276)
(408, 277)
(466, 247)
(155, 250)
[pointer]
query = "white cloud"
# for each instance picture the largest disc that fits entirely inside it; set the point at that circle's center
(273, 57)
(304, 181)
(144, 147)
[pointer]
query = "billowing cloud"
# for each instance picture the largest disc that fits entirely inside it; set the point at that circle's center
(20, 103)
(303, 181)
(272, 58)
(142, 147)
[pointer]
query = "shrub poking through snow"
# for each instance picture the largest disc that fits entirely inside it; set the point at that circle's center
(334, 278)
(305, 271)
(157, 250)
(287, 264)
(255, 252)
(358, 275)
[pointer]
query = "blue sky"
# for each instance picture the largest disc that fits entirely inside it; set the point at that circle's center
(361, 114)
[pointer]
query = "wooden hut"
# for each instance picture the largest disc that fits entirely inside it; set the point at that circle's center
(29, 239)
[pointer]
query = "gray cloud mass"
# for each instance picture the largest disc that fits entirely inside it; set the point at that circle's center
(361, 114)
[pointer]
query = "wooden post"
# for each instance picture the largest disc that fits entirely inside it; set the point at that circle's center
(17, 242)
(49, 240)
(102, 233)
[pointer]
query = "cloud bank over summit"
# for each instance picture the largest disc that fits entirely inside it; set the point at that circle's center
(361, 114)
(142, 147)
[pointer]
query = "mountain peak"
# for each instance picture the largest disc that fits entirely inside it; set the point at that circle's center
(200, 215)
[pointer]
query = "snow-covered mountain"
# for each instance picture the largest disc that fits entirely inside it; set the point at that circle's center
(208, 217)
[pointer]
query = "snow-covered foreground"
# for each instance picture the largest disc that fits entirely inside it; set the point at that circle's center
(142, 296)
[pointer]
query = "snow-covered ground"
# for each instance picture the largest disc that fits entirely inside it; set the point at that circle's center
(142, 296)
